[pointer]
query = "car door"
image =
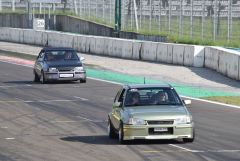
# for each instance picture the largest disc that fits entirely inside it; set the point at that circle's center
(39, 63)
(117, 107)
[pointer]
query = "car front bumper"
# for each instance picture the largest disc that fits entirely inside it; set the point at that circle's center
(132, 132)
(65, 75)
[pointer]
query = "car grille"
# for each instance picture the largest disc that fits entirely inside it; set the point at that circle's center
(65, 69)
(160, 122)
(152, 132)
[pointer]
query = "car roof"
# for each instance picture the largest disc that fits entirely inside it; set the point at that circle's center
(148, 86)
(57, 48)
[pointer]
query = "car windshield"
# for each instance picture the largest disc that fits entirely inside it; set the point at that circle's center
(152, 96)
(61, 55)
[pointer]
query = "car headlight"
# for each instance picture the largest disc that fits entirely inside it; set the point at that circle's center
(53, 70)
(136, 121)
(183, 120)
(78, 69)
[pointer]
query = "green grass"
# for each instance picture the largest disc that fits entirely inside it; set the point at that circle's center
(17, 55)
(233, 100)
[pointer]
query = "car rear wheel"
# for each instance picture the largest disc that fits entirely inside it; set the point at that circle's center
(111, 132)
(42, 78)
(36, 77)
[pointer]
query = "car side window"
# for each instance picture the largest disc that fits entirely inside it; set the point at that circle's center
(119, 96)
(40, 56)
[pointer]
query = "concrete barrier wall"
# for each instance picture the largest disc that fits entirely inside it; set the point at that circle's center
(92, 45)
(127, 51)
(232, 70)
(211, 58)
(38, 37)
(198, 56)
(99, 45)
(178, 54)
(4, 34)
(170, 53)
(162, 52)
(29, 37)
(108, 46)
(222, 60)
(188, 55)
(239, 68)
(149, 51)
(229, 63)
(137, 47)
(14, 35)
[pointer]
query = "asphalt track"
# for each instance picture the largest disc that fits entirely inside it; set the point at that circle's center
(67, 122)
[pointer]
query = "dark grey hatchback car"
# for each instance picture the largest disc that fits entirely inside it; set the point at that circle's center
(53, 64)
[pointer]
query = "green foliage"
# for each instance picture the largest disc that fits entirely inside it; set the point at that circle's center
(233, 100)
(176, 36)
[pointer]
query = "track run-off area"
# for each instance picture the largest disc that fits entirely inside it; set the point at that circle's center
(67, 122)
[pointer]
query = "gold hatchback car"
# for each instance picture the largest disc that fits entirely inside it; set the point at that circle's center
(150, 112)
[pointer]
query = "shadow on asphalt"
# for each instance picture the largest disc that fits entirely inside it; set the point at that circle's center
(105, 140)
(214, 76)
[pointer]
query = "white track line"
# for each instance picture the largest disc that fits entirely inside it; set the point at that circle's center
(186, 149)
(112, 82)
(213, 102)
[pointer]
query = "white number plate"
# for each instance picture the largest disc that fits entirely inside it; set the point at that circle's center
(66, 75)
(160, 129)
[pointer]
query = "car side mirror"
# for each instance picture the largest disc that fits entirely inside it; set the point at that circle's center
(187, 102)
(117, 104)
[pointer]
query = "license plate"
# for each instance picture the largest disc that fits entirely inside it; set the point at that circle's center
(160, 129)
(66, 75)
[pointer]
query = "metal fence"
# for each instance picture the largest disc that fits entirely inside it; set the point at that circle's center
(196, 19)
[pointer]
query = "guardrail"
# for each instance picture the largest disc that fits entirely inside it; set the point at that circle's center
(224, 61)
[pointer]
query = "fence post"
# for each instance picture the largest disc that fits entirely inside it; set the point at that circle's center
(150, 18)
(214, 20)
(13, 5)
(191, 20)
(203, 18)
(140, 14)
(159, 18)
(89, 9)
(180, 21)
(229, 19)
(135, 12)
(169, 16)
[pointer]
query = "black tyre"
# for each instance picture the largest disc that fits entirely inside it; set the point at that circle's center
(111, 132)
(42, 78)
(121, 135)
(36, 77)
(83, 80)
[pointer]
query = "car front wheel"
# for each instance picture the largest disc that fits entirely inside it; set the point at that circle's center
(121, 135)
(111, 132)
(36, 77)
(42, 78)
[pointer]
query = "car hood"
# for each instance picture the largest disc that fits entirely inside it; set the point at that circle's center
(156, 112)
(64, 63)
